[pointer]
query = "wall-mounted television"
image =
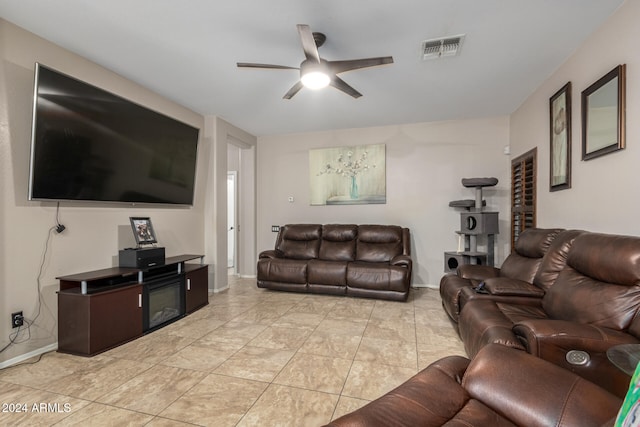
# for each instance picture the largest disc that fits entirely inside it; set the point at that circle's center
(88, 144)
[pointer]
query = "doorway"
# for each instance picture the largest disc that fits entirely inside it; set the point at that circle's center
(232, 178)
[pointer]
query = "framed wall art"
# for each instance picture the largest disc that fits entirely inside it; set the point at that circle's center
(560, 139)
(348, 175)
(603, 114)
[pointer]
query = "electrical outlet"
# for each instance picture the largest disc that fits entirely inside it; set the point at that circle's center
(275, 228)
(17, 319)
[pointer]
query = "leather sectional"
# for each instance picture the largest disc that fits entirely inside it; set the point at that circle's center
(372, 261)
(500, 387)
(588, 300)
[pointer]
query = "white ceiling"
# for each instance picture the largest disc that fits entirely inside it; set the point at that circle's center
(187, 51)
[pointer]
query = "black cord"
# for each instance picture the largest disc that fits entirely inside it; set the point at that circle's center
(59, 227)
(13, 337)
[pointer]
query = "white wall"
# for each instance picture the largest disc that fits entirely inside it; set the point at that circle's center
(604, 193)
(425, 163)
(221, 134)
(94, 233)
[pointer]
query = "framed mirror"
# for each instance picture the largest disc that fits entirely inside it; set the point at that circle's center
(603, 115)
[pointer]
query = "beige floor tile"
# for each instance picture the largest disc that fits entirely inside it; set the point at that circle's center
(255, 363)
(153, 390)
(388, 352)
(232, 333)
(217, 400)
(151, 348)
(200, 358)
(194, 328)
(390, 329)
(166, 422)
(250, 357)
(391, 310)
(327, 343)
(351, 309)
(312, 372)
(369, 381)
(94, 381)
(346, 405)
(299, 320)
(343, 326)
(281, 338)
(97, 415)
(28, 409)
(51, 368)
(437, 349)
(287, 406)
(315, 304)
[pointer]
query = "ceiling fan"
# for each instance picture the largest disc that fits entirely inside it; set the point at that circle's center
(316, 72)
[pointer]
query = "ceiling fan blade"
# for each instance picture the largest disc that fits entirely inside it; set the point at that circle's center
(308, 43)
(294, 89)
(276, 67)
(340, 84)
(354, 64)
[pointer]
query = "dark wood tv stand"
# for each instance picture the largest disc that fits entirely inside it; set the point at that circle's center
(102, 309)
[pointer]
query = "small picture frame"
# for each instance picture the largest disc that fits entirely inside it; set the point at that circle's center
(143, 230)
(560, 139)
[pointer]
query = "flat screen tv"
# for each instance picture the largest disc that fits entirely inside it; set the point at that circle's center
(91, 145)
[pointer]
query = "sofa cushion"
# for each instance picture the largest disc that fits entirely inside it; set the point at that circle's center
(555, 259)
(530, 247)
(378, 243)
(300, 241)
(338, 242)
(599, 285)
(321, 272)
(377, 276)
(282, 270)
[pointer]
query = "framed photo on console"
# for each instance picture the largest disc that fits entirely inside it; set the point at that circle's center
(143, 230)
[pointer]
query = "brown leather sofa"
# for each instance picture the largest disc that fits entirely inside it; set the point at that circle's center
(372, 261)
(592, 305)
(518, 277)
(500, 387)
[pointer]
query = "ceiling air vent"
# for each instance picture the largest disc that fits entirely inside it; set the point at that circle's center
(442, 47)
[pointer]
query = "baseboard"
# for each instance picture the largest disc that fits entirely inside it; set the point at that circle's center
(29, 355)
(248, 276)
(424, 286)
(215, 291)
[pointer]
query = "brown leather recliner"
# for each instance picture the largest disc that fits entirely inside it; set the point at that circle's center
(593, 304)
(339, 259)
(500, 387)
(514, 280)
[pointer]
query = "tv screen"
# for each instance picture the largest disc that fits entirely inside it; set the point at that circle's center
(91, 145)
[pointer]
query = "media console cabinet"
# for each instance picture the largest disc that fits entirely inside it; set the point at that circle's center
(99, 310)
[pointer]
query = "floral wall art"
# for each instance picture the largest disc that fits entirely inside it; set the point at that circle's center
(348, 175)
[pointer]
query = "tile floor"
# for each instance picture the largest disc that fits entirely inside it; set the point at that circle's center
(252, 357)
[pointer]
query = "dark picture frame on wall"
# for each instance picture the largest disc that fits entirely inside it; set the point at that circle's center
(560, 139)
(603, 114)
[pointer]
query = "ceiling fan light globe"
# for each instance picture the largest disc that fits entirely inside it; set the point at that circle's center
(315, 80)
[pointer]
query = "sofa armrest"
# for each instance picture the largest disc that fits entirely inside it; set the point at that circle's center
(477, 272)
(271, 253)
(506, 286)
(532, 392)
(552, 340)
(402, 260)
(432, 397)
(547, 337)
